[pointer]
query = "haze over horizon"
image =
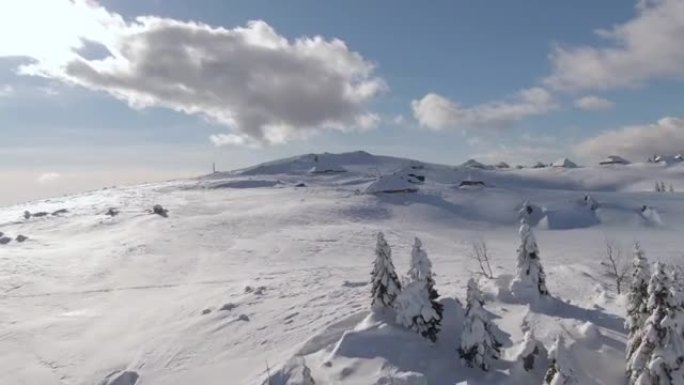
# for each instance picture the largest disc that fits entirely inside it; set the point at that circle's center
(100, 93)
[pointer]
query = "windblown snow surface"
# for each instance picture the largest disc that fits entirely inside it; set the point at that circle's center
(251, 276)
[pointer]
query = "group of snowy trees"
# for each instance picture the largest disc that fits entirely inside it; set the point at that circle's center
(655, 325)
(415, 302)
(414, 299)
(660, 187)
(655, 313)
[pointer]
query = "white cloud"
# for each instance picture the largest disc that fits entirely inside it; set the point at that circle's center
(6, 90)
(645, 48)
(220, 140)
(439, 113)
(50, 31)
(593, 103)
(260, 84)
(398, 120)
(50, 90)
(48, 177)
(666, 136)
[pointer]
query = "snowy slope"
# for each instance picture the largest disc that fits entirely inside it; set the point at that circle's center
(138, 298)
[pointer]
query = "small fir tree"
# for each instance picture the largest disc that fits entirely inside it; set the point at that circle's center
(478, 343)
(637, 298)
(659, 358)
(417, 306)
(421, 269)
(384, 280)
(530, 277)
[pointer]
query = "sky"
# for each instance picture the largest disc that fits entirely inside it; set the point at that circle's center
(112, 92)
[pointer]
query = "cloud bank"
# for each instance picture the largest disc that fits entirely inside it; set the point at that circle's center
(436, 112)
(261, 85)
(666, 136)
(648, 47)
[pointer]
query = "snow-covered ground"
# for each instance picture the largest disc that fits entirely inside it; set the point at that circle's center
(252, 275)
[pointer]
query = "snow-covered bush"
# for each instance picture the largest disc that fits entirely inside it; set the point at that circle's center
(560, 371)
(531, 352)
(659, 358)
(530, 280)
(478, 344)
(591, 203)
(384, 280)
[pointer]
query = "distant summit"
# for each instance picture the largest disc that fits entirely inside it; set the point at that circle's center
(564, 163)
(614, 159)
(472, 163)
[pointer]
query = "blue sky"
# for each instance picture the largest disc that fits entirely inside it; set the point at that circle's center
(442, 81)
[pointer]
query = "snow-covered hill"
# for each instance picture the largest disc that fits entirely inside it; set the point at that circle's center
(261, 270)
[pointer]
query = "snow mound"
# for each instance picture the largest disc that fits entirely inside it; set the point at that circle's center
(122, 378)
(589, 331)
(388, 184)
(650, 217)
(577, 217)
(614, 159)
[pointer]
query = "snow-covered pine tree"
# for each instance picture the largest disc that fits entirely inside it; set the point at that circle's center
(671, 188)
(657, 187)
(530, 277)
(421, 269)
(659, 359)
(662, 187)
(560, 372)
(525, 211)
(384, 280)
(637, 299)
(415, 310)
(416, 306)
(478, 344)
